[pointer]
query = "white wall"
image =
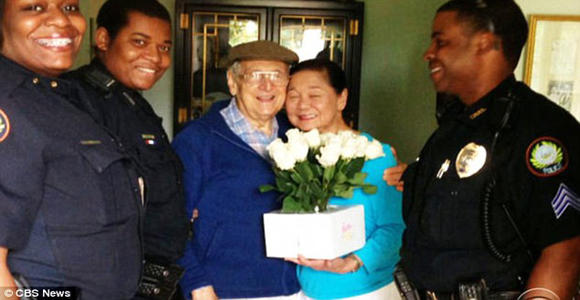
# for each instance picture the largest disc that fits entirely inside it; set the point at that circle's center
(543, 7)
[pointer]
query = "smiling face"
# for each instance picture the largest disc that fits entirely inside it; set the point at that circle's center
(452, 55)
(313, 103)
(261, 98)
(42, 35)
(140, 53)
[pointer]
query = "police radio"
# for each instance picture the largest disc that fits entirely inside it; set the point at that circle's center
(405, 287)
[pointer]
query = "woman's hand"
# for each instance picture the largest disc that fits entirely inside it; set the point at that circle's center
(204, 293)
(393, 175)
(6, 279)
(338, 265)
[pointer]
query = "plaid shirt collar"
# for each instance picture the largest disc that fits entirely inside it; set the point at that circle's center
(255, 138)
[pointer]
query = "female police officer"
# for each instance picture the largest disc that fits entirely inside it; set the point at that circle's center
(69, 204)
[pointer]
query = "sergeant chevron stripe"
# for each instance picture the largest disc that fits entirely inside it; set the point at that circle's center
(565, 197)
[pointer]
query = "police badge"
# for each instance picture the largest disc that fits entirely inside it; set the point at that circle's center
(470, 160)
(4, 126)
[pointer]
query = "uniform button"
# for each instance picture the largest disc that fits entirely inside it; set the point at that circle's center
(54, 84)
(35, 80)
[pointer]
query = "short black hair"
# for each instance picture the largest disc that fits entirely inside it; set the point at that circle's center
(334, 74)
(114, 14)
(504, 18)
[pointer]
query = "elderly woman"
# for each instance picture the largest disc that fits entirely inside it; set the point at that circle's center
(225, 159)
(316, 97)
(69, 207)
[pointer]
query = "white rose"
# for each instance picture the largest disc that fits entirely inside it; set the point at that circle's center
(275, 146)
(329, 155)
(299, 149)
(313, 138)
(346, 135)
(333, 139)
(293, 133)
(325, 137)
(279, 152)
(361, 143)
(349, 149)
(297, 144)
(374, 150)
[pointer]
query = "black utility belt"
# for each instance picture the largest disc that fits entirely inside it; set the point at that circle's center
(159, 281)
(505, 295)
(475, 290)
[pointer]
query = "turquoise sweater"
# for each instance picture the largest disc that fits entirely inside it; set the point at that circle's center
(384, 228)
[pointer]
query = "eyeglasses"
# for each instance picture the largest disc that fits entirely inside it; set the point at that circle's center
(257, 77)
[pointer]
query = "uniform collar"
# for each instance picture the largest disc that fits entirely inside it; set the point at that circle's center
(15, 75)
(488, 107)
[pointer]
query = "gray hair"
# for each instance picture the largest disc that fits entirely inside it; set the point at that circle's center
(235, 68)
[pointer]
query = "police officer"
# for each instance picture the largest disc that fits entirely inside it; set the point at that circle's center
(69, 202)
(492, 205)
(133, 43)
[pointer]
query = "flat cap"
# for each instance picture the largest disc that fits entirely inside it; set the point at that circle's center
(263, 50)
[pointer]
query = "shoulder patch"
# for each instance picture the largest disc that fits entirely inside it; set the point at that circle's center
(4, 126)
(546, 156)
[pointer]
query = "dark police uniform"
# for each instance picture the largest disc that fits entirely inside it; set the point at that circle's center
(69, 203)
(130, 117)
(535, 164)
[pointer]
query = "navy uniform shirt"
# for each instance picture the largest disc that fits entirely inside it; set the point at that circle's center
(130, 117)
(69, 202)
(536, 166)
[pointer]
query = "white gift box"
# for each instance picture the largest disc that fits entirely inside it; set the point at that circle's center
(337, 231)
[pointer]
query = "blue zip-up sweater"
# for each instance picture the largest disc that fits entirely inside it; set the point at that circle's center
(221, 179)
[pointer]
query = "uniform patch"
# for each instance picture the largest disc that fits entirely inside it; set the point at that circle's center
(546, 156)
(564, 198)
(149, 139)
(4, 126)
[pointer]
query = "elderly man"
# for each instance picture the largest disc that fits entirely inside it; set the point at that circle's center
(225, 160)
(492, 203)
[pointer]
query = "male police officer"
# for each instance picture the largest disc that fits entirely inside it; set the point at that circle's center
(492, 203)
(133, 43)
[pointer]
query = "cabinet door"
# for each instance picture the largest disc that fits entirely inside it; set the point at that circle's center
(210, 33)
(325, 34)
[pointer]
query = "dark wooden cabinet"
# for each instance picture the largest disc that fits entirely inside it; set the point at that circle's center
(206, 30)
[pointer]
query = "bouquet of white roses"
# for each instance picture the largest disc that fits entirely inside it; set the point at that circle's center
(311, 167)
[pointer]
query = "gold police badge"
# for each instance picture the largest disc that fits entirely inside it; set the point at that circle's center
(4, 126)
(470, 160)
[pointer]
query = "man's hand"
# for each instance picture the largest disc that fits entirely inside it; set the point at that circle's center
(6, 279)
(556, 271)
(337, 265)
(393, 175)
(204, 293)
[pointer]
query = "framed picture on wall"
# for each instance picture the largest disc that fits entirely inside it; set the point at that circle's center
(553, 60)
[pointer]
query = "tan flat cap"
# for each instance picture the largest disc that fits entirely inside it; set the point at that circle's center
(264, 50)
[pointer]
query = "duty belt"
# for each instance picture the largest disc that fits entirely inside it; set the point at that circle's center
(431, 295)
(159, 281)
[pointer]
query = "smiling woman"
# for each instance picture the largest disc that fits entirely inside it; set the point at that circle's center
(69, 212)
(52, 31)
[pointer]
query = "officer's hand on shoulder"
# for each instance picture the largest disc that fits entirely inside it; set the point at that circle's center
(393, 175)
